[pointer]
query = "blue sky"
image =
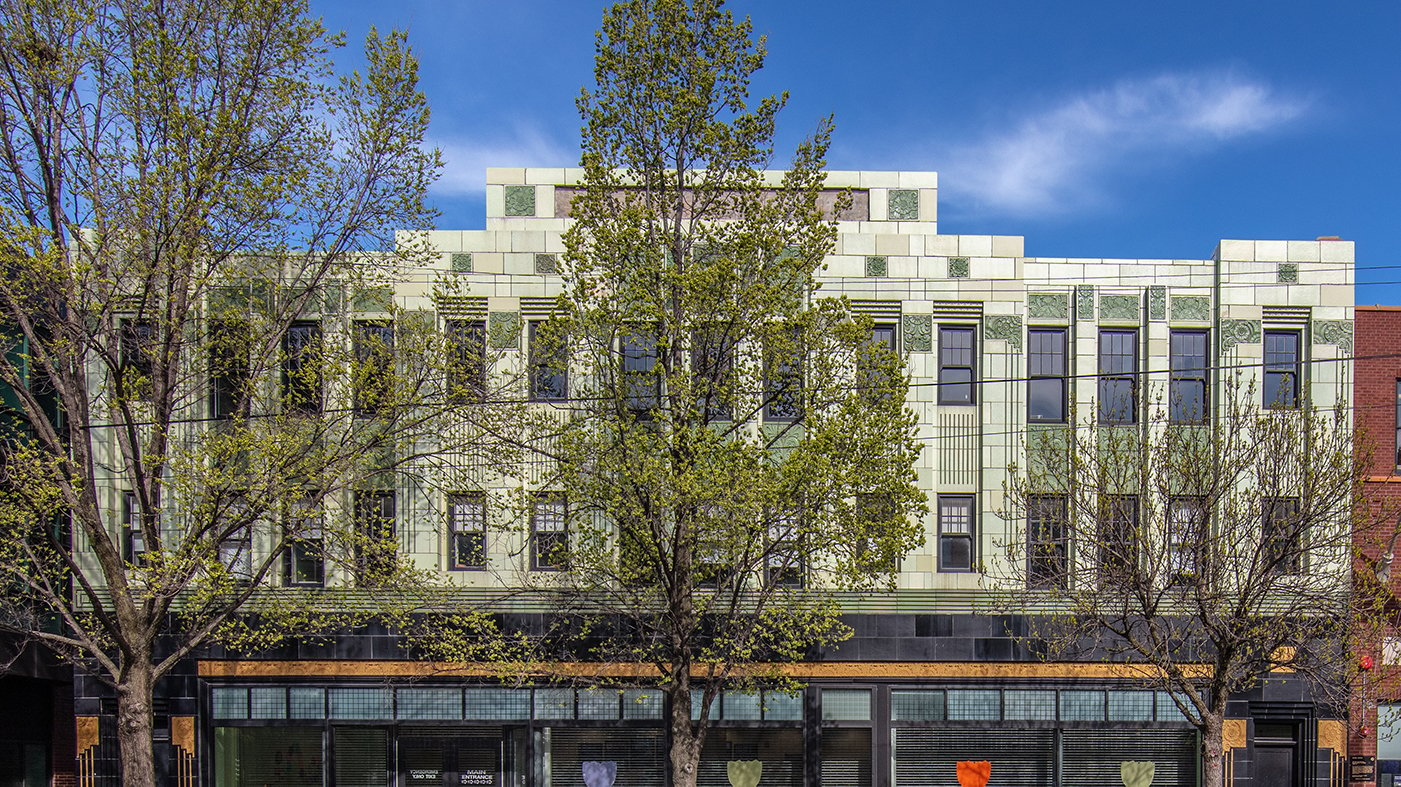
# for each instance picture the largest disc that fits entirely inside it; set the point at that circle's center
(1095, 129)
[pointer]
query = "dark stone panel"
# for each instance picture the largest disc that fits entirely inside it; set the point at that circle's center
(992, 649)
(933, 625)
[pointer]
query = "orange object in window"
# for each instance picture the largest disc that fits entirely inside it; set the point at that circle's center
(974, 774)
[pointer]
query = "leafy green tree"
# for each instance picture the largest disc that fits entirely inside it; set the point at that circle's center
(736, 447)
(1211, 553)
(193, 204)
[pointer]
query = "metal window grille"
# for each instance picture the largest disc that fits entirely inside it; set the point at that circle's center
(1130, 706)
(1082, 705)
(369, 703)
(742, 706)
(846, 705)
(974, 705)
(598, 704)
(230, 703)
(1029, 705)
(497, 704)
(306, 702)
(781, 706)
(917, 705)
(267, 703)
(429, 703)
(554, 703)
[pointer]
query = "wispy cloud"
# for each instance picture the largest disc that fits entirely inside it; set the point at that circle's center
(465, 159)
(1062, 159)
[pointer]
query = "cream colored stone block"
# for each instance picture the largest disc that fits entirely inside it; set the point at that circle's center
(1303, 250)
(1271, 250)
(918, 180)
(873, 179)
(889, 245)
(1235, 250)
(975, 245)
(545, 176)
(1008, 245)
(842, 179)
(880, 204)
(916, 227)
(545, 202)
(1336, 251)
(505, 176)
(941, 245)
(528, 241)
(495, 200)
(928, 204)
(445, 240)
(1336, 295)
(488, 262)
(862, 244)
(902, 268)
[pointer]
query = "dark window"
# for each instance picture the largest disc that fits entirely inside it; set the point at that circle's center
(549, 379)
(301, 368)
(876, 512)
(784, 377)
(376, 547)
(874, 372)
(784, 565)
(138, 356)
(1118, 376)
(236, 554)
(956, 533)
(373, 389)
(1046, 376)
(133, 537)
(1281, 536)
(549, 532)
(1282, 370)
(467, 530)
(712, 363)
(956, 364)
(1188, 520)
(1046, 541)
(1118, 539)
(229, 376)
(640, 377)
(306, 558)
(1187, 389)
(466, 360)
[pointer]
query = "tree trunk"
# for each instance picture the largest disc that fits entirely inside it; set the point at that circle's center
(134, 722)
(1213, 751)
(685, 742)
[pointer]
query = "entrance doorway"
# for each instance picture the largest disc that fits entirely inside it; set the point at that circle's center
(1276, 754)
(464, 757)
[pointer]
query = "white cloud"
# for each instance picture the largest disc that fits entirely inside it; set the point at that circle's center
(1061, 159)
(465, 159)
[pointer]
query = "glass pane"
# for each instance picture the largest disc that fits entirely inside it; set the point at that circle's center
(230, 703)
(1116, 401)
(1082, 706)
(696, 696)
(1389, 732)
(267, 703)
(741, 706)
(1167, 709)
(599, 704)
(956, 553)
(307, 703)
(497, 704)
(1130, 706)
(642, 704)
(974, 705)
(779, 706)
(917, 706)
(360, 703)
(554, 703)
(1039, 705)
(1187, 401)
(846, 705)
(1046, 399)
(437, 703)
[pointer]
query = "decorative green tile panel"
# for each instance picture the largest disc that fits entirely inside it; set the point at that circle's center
(462, 262)
(1235, 332)
(1288, 272)
(958, 267)
(520, 200)
(1119, 307)
(1004, 326)
(1048, 305)
(1191, 307)
(919, 332)
(903, 205)
(1085, 301)
(876, 266)
(1337, 332)
(546, 263)
(504, 330)
(373, 299)
(1157, 302)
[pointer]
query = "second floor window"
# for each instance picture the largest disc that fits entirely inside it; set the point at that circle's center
(228, 369)
(712, 364)
(549, 364)
(956, 533)
(1281, 383)
(783, 377)
(549, 532)
(1187, 521)
(872, 363)
(1117, 539)
(466, 360)
(301, 368)
(467, 530)
(1047, 541)
(133, 537)
(1187, 364)
(784, 565)
(640, 379)
(1118, 376)
(306, 559)
(1046, 376)
(137, 344)
(377, 546)
(373, 387)
(956, 364)
(1281, 536)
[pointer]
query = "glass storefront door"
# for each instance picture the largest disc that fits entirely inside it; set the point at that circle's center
(462, 757)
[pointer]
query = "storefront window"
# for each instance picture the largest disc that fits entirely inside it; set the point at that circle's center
(257, 756)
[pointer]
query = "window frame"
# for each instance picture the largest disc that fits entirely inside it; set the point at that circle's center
(230, 372)
(1185, 553)
(136, 342)
(784, 381)
(1181, 375)
(1036, 373)
(1117, 566)
(466, 360)
(640, 383)
(885, 335)
(1047, 555)
(303, 392)
(712, 370)
(132, 532)
(549, 542)
(553, 370)
(1292, 562)
(1109, 378)
(969, 537)
(460, 534)
(375, 529)
(783, 535)
(1291, 372)
(305, 544)
(946, 386)
(372, 395)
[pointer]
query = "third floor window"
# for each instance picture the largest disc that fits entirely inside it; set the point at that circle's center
(1282, 370)
(1187, 390)
(1046, 376)
(956, 364)
(1118, 376)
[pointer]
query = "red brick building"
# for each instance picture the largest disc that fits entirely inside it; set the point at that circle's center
(1375, 728)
